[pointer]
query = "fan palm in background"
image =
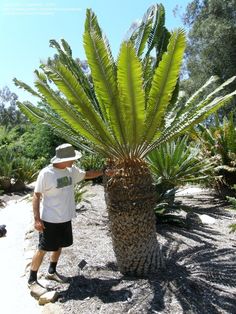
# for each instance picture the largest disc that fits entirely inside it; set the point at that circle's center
(125, 109)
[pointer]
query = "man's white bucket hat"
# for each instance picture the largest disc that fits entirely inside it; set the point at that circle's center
(65, 152)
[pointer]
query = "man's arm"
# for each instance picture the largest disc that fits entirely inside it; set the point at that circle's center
(38, 224)
(92, 174)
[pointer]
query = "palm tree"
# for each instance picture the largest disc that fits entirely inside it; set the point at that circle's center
(121, 109)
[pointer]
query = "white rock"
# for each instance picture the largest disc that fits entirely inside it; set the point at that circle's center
(207, 219)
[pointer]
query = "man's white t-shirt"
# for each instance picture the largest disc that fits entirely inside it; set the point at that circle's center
(57, 188)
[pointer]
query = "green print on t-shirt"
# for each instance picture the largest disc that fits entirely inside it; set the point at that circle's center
(64, 181)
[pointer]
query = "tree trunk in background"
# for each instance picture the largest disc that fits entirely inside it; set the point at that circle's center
(130, 198)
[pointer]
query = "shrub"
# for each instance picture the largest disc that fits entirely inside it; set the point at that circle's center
(218, 141)
(80, 190)
(176, 163)
(232, 200)
(15, 169)
(92, 162)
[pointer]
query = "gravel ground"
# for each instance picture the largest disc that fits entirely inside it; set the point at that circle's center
(199, 275)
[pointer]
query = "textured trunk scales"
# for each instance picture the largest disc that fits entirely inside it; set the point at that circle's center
(130, 198)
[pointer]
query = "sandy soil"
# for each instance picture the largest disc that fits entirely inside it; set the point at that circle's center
(199, 277)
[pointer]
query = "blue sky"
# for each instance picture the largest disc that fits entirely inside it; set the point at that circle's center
(26, 26)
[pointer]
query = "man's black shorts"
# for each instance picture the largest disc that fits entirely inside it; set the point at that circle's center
(55, 236)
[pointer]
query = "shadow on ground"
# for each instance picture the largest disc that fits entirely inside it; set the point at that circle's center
(200, 280)
(199, 274)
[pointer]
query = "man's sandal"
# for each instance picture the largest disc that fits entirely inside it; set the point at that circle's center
(57, 277)
(36, 289)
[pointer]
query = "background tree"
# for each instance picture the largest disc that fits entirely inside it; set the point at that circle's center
(24, 147)
(10, 115)
(211, 47)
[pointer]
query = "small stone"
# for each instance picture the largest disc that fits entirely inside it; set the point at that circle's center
(82, 264)
(206, 219)
(192, 219)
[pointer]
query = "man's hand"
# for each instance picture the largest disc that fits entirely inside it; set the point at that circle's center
(109, 172)
(39, 225)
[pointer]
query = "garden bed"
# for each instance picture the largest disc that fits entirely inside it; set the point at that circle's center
(199, 275)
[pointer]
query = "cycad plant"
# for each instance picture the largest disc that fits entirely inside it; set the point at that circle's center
(121, 108)
(218, 141)
(176, 163)
(232, 200)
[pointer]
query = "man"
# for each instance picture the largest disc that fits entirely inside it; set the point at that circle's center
(55, 186)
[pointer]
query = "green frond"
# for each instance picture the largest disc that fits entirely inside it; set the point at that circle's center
(221, 87)
(132, 101)
(161, 45)
(215, 94)
(103, 71)
(26, 109)
(186, 122)
(54, 44)
(163, 84)
(208, 136)
(70, 87)
(66, 58)
(66, 47)
(192, 100)
(62, 128)
(68, 113)
(41, 76)
(141, 35)
(157, 30)
(26, 87)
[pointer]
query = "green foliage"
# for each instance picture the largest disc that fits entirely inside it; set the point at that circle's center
(92, 161)
(232, 200)
(7, 136)
(15, 167)
(10, 116)
(24, 148)
(6, 162)
(80, 190)
(123, 108)
(211, 25)
(38, 143)
(176, 163)
(25, 169)
(218, 141)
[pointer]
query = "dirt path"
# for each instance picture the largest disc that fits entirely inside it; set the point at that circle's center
(14, 294)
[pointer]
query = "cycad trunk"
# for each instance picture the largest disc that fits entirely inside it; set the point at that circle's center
(130, 198)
